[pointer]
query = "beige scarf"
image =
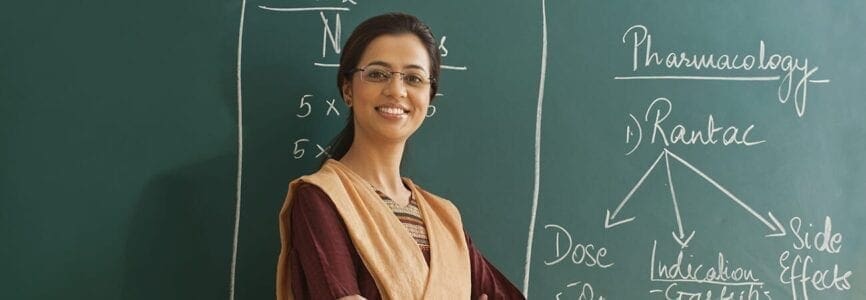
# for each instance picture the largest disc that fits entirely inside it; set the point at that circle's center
(386, 248)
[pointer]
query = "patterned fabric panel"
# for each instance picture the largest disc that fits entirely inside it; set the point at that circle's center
(410, 216)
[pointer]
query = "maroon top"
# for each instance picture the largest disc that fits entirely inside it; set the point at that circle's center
(326, 265)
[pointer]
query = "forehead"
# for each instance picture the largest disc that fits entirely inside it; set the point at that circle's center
(396, 51)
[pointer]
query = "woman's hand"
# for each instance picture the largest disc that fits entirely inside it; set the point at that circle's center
(482, 297)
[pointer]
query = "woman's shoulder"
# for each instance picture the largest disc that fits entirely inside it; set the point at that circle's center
(308, 189)
(322, 173)
(316, 182)
(311, 200)
(309, 193)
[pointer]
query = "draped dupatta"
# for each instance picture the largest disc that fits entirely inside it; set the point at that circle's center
(383, 243)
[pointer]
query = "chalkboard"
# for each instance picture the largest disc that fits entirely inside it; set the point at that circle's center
(118, 149)
(701, 150)
(596, 149)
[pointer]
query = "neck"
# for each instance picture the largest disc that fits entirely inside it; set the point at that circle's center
(377, 163)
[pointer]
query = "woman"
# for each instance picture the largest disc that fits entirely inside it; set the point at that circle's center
(356, 229)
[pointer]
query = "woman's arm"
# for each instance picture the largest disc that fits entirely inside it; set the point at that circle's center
(487, 280)
(322, 248)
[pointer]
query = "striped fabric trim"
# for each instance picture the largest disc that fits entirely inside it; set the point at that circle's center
(410, 216)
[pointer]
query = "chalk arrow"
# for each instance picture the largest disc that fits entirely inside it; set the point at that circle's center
(608, 224)
(609, 218)
(776, 230)
(779, 230)
(679, 239)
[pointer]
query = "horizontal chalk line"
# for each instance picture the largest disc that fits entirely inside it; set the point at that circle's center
(756, 78)
(303, 8)
(447, 67)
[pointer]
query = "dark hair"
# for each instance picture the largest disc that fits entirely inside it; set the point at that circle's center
(366, 32)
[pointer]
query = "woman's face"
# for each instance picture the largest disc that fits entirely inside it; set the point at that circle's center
(392, 110)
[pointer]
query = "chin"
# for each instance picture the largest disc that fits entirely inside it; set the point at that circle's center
(397, 137)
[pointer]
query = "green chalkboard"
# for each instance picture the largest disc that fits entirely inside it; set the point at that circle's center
(118, 149)
(596, 149)
(703, 150)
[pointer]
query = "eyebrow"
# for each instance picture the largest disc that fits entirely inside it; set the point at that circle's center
(387, 65)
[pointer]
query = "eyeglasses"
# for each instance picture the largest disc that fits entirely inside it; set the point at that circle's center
(376, 74)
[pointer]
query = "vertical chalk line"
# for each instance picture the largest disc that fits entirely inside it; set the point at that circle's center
(674, 196)
(240, 157)
(535, 188)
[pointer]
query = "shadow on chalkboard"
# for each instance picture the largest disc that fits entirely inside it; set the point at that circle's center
(179, 239)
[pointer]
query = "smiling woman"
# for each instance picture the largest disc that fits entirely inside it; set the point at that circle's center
(357, 229)
(386, 111)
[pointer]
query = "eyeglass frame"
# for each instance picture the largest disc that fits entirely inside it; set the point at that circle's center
(391, 75)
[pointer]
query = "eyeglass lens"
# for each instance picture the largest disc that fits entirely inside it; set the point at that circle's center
(380, 75)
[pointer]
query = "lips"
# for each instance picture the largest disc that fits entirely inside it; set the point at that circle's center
(395, 110)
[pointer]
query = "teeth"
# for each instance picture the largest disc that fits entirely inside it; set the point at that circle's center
(391, 110)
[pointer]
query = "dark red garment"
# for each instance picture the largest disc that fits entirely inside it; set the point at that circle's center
(326, 265)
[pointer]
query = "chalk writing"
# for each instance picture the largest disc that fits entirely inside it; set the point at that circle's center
(676, 291)
(823, 241)
(581, 254)
(305, 107)
(731, 279)
(794, 69)
(442, 50)
(329, 35)
(658, 112)
(796, 266)
(720, 274)
(300, 148)
(584, 291)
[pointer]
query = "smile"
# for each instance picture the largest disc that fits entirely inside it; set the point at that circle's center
(390, 111)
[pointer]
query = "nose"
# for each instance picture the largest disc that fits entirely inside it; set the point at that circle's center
(396, 87)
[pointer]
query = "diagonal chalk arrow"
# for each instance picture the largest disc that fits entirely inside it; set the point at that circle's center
(775, 230)
(609, 217)
(680, 236)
